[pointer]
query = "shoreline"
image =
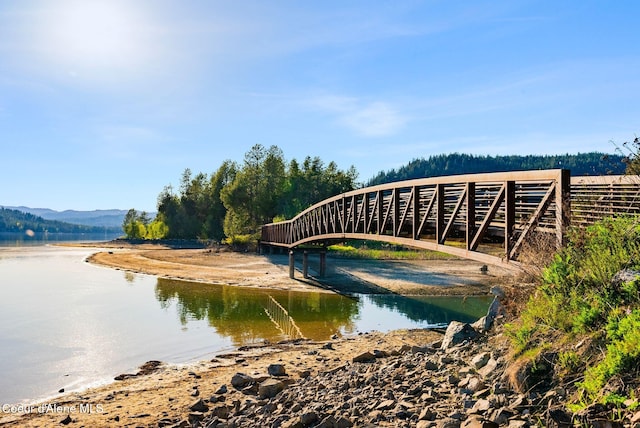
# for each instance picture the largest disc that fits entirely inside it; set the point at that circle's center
(166, 392)
(436, 277)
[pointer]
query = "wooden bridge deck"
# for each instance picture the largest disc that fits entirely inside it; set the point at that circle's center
(484, 217)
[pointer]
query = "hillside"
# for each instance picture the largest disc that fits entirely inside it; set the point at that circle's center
(100, 218)
(18, 221)
(453, 164)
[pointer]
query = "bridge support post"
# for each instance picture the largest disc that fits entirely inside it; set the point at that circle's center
(292, 267)
(323, 263)
(305, 264)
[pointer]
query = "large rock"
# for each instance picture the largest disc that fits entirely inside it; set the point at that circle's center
(365, 357)
(270, 388)
(240, 380)
(276, 370)
(199, 406)
(457, 332)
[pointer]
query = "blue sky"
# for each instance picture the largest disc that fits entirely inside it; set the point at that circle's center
(103, 103)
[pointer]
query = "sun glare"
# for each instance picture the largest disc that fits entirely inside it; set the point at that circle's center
(96, 36)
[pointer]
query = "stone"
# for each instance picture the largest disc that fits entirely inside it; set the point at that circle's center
(195, 418)
(343, 422)
(199, 406)
(624, 276)
(478, 423)
(489, 368)
(240, 380)
(222, 390)
(380, 354)
(328, 422)
(448, 423)
(270, 388)
(276, 370)
(365, 357)
(481, 406)
(480, 360)
(426, 415)
(558, 418)
(386, 405)
(308, 418)
(221, 411)
(431, 366)
(304, 373)
(456, 333)
(67, 420)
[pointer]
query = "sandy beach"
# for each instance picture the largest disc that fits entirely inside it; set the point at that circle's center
(165, 392)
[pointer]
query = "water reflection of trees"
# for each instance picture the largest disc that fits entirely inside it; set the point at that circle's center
(248, 315)
(434, 310)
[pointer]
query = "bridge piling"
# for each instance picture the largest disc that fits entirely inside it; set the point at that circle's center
(292, 267)
(305, 264)
(323, 263)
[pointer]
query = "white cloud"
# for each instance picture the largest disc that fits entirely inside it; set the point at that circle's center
(367, 119)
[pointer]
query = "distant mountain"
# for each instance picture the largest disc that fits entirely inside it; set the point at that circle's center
(99, 218)
(19, 221)
(454, 164)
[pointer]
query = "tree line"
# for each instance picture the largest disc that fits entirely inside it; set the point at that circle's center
(453, 164)
(235, 200)
(18, 221)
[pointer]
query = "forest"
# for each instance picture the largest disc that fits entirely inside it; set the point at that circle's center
(18, 221)
(453, 164)
(235, 200)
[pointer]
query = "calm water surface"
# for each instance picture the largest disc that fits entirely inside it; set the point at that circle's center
(67, 324)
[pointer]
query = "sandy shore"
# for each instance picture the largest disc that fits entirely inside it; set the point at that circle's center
(406, 277)
(166, 392)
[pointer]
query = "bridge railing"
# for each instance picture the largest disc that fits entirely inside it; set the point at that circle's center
(593, 198)
(464, 215)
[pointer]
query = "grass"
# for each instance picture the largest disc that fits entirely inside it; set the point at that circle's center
(576, 301)
(378, 251)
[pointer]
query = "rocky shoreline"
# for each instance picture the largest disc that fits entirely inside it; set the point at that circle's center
(460, 381)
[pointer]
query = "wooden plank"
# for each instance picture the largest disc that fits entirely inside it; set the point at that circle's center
(415, 192)
(509, 214)
(471, 214)
(532, 222)
(487, 219)
(454, 214)
(432, 202)
(440, 211)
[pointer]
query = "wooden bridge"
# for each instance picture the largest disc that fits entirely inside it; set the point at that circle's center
(483, 217)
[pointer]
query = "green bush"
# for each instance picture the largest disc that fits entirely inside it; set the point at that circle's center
(623, 352)
(577, 298)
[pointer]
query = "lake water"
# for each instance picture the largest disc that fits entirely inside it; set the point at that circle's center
(67, 324)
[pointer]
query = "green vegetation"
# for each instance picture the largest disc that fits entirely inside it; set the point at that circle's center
(580, 300)
(630, 151)
(18, 221)
(456, 163)
(381, 251)
(138, 226)
(237, 199)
